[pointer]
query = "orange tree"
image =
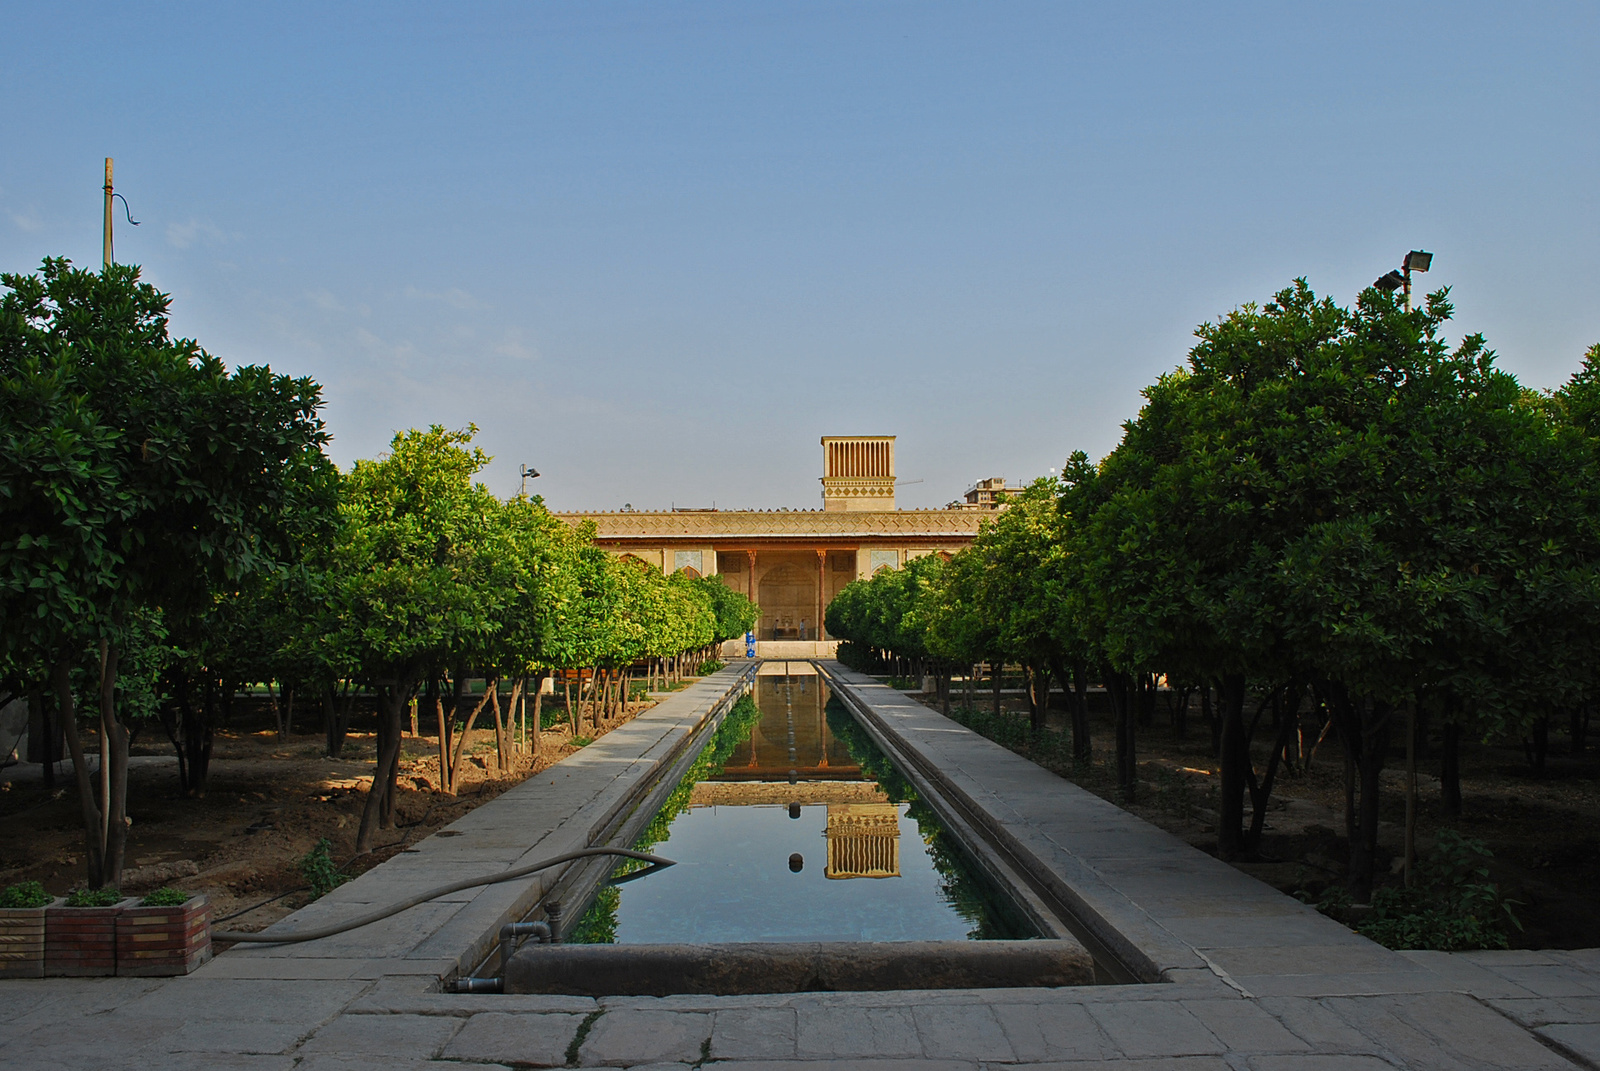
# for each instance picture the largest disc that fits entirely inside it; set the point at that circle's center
(139, 475)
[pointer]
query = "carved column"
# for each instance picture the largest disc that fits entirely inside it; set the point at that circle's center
(751, 580)
(822, 588)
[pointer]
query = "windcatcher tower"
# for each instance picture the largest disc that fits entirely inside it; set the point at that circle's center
(857, 473)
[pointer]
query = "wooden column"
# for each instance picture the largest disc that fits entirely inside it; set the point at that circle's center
(751, 583)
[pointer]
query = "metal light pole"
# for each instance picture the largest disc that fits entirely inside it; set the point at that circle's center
(526, 473)
(105, 226)
(1416, 260)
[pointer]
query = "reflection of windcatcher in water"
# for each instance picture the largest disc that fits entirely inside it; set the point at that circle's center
(863, 840)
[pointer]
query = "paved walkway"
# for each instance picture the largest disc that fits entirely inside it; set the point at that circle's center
(1249, 979)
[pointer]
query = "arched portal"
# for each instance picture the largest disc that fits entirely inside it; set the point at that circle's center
(788, 598)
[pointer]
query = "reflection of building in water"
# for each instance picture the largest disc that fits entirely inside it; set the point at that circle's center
(794, 702)
(863, 840)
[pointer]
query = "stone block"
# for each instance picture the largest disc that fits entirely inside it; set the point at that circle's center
(421, 1036)
(1244, 1028)
(970, 1032)
(845, 1032)
(1317, 1025)
(754, 1034)
(1580, 1039)
(631, 1036)
(520, 1039)
(1319, 1061)
(1147, 1028)
(1054, 1032)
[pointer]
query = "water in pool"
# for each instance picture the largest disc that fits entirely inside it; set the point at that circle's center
(844, 853)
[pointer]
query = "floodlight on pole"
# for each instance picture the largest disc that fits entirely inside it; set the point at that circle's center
(1416, 260)
(526, 474)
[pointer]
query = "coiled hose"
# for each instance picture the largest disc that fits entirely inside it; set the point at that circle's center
(431, 894)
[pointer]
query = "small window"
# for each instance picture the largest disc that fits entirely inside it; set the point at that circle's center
(842, 562)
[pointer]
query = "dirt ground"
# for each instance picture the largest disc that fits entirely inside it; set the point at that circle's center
(266, 806)
(1544, 830)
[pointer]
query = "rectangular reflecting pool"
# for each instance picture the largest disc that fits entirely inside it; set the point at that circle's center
(792, 826)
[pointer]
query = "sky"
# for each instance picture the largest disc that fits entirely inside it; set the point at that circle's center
(656, 250)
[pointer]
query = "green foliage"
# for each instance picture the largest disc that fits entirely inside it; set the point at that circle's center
(24, 894)
(1452, 907)
(319, 870)
(166, 897)
(105, 896)
(710, 665)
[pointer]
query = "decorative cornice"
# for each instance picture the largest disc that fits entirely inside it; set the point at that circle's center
(665, 526)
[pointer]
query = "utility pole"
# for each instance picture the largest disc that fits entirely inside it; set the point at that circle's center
(105, 231)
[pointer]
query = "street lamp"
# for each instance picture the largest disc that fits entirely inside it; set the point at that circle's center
(526, 473)
(1416, 260)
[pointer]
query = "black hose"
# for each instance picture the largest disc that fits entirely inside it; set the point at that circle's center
(431, 894)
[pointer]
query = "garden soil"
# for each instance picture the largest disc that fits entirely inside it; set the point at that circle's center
(1543, 829)
(267, 805)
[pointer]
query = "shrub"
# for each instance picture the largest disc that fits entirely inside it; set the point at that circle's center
(24, 894)
(165, 897)
(319, 870)
(106, 896)
(1453, 907)
(710, 665)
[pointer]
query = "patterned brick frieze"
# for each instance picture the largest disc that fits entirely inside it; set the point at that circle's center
(732, 525)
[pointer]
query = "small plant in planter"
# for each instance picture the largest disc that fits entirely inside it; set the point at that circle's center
(22, 908)
(80, 934)
(166, 933)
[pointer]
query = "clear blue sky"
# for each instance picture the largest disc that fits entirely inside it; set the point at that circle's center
(657, 249)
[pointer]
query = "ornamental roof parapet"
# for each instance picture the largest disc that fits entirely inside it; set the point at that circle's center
(766, 524)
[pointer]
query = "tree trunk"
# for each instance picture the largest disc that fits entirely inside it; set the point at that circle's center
(447, 786)
(538, 715)
(380, 797)
(1208, 711)
(290, 690)
(114, 740)
(277, 712)
(461, 741)
(66, 710)
(337, 709)
(1539, 747)
(1124, 721)
(1450, 771)
(998, 671)
(1261, 791)
(1235, 756)
(1364, 850)
(1038, 696)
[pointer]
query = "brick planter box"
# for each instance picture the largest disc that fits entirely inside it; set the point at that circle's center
(164, 940)
(22, 941)
(81, 942)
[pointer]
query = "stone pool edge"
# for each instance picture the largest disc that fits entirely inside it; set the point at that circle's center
(582, 801)
(1165, 910)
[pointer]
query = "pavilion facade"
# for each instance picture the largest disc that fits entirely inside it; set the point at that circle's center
(793, 562)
